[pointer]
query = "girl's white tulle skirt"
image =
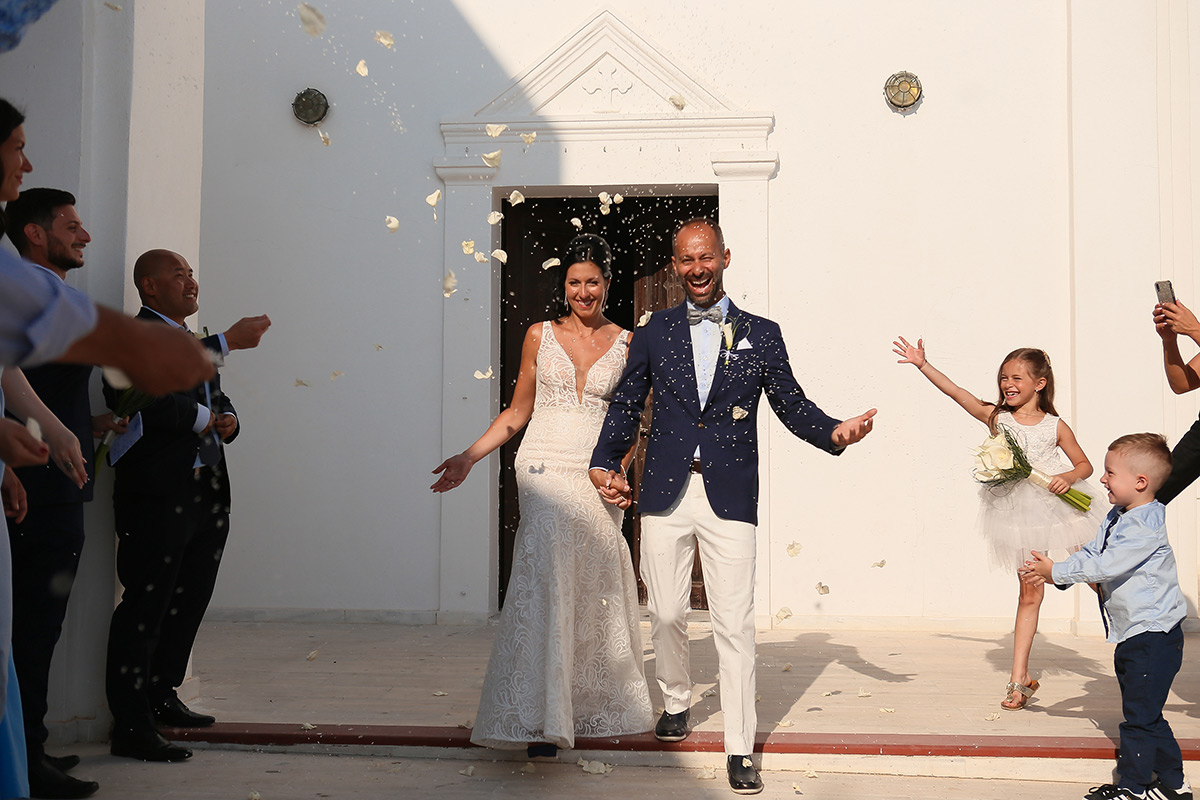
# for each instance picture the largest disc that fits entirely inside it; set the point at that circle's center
(1021, 517)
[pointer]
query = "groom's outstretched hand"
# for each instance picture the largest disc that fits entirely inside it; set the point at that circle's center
(854, 429)
(612, 486)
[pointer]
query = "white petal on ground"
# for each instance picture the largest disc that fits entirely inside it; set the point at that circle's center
(495, 130)
(439, 694)
(577, 222)
(301, 383)
(307, 726)
(822, 588)
(810, 773)
(468, 246)
(385, 39)
(492, 159)
(466, 725)
(595, 767)
(740, 413)
(495, 217)
(645, 318)
(516, 198)
(880, 563)
(313, 655)
(677, 101)
(528, 138)
(392, 223)
(783, 613)
(34, 427)
(481, 257)
(794, 549)
(787, 667)
(500, 255)
(432, 199)
(483, 376)
(786, 723)
(312, 20)
(826, 694)
(617, 199)
(550, 262)
(116, 378)
(708, 774)
(995, 715)
(863, 693)
(324, 137)
(254, 796)
(337, 373)
(361, 69)
(449, 283)
(796, 788)
(469, 771)
(883, 710)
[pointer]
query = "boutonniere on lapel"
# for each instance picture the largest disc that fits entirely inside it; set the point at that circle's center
(729, 329)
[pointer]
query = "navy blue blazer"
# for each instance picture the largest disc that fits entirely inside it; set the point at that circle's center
(660, 358)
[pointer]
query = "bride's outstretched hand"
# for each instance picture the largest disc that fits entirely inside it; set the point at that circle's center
(454, 471)
(909, 354)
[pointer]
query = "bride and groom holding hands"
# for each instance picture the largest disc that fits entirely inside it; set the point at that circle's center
(567, 661)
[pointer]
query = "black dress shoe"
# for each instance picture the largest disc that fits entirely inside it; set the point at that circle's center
(174, 714)
(146, 746)
(63, 763)
(542, 750)
(672, 727)
(743, 777)
(48, 781)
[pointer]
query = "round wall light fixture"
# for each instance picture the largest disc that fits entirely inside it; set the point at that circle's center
(310, 106)
(902, 90)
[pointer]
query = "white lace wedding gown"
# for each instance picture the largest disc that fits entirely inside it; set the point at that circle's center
(567, 658)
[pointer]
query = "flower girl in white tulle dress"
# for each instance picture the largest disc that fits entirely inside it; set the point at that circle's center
(1020, 517)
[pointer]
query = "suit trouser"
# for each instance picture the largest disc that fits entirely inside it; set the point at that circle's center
(1146, 665)
(45, 551)
(168, 553)
(1185, 467)
(727, 556)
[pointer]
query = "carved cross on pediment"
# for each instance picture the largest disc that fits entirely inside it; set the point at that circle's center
(607, 81)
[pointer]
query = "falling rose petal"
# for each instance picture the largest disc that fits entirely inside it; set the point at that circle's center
(500, 256)
(550, 262)
(708, 774)
(883, 710)
(307, 726)
(740, 413)
(605, 210)
(528, 138)
(449, 283)
(495, 130)
(880, 563)
(787, 667)
(516, 198)
(392, 223)
(468, 246)
(822, 588)
(709, 692)
(378, 347)
(495, 217)
(337, 373)
(313, 655)
(432, 199)
(995, 715)
(644, 319)
(113, 6)
(483, 376)
(361, 69)
(604, 198)
(783, 613)
(439, 694)
(34, 427)
(324, 137)
(577, 222)
(301, 383)
(492, 159)
(116, 378)
(617, 199)
(677, 101)
(312, 20)
(481, 258)
(385, 39)
(469, 771)
(786, 723)
(862, 693)
(794, 549)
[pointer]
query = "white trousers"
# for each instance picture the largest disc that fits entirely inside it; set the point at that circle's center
(727, 554)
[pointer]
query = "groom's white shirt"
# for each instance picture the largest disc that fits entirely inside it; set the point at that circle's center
(706, 345)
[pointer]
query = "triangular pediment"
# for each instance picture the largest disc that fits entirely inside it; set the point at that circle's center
(605, 68)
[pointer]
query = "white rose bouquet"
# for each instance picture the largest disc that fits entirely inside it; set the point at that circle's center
(1000, 461)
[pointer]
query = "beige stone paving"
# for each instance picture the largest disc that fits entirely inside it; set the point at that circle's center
(936, 683)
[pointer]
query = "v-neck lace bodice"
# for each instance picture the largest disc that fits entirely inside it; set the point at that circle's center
(557, 383)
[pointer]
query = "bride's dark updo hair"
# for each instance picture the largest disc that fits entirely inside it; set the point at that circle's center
(11, 118)
(584, 247)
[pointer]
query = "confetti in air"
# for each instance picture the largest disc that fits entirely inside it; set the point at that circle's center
(709, 692)
(740, 413)
(324, 137)
(677, 101)
(500, 256)
(492, 159)
(483, 376)
(494, 217)
(494, 131)
(361, 69)
(617, 199)
(606, 210)
(550, 262)
(392, 223)
(516, 198)
(528, 138)
(880, 563)
(644, 319)
(432, 199)
(301, 383)
(312, 20)
(378, 347)
(794, 549)
(783, 613)
(34, 427)
(385, 39)
(113, 6)
(577, 222)
(337, 373)
(481, 257)
(468, 246)
(605, 199)
(822, 588)
(449, 283)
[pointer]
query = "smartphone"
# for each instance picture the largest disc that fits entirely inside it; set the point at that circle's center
(1165, 292)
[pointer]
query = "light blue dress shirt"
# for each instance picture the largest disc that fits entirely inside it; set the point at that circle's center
(1135, 569)
(706, 347)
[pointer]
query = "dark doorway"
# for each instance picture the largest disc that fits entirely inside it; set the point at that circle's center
(639, 231)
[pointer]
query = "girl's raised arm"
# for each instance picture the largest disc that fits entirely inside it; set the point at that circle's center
(916, 356)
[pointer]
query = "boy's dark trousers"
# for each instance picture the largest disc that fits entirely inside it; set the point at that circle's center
(1146, 665)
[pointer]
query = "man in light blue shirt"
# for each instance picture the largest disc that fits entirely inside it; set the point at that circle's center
(1133, 567)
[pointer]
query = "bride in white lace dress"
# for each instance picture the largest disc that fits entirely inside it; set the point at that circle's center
(567, 658)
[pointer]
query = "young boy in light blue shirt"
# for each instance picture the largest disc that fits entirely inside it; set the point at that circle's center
(1133, 566)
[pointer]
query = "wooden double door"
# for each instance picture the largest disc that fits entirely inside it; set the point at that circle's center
(639, 232)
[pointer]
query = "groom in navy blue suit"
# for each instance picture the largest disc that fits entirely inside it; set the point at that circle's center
(708, 363)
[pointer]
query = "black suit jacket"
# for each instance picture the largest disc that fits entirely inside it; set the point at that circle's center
(64, 390)
(162, 461)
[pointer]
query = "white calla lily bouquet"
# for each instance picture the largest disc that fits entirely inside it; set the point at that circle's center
(1000, 461)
